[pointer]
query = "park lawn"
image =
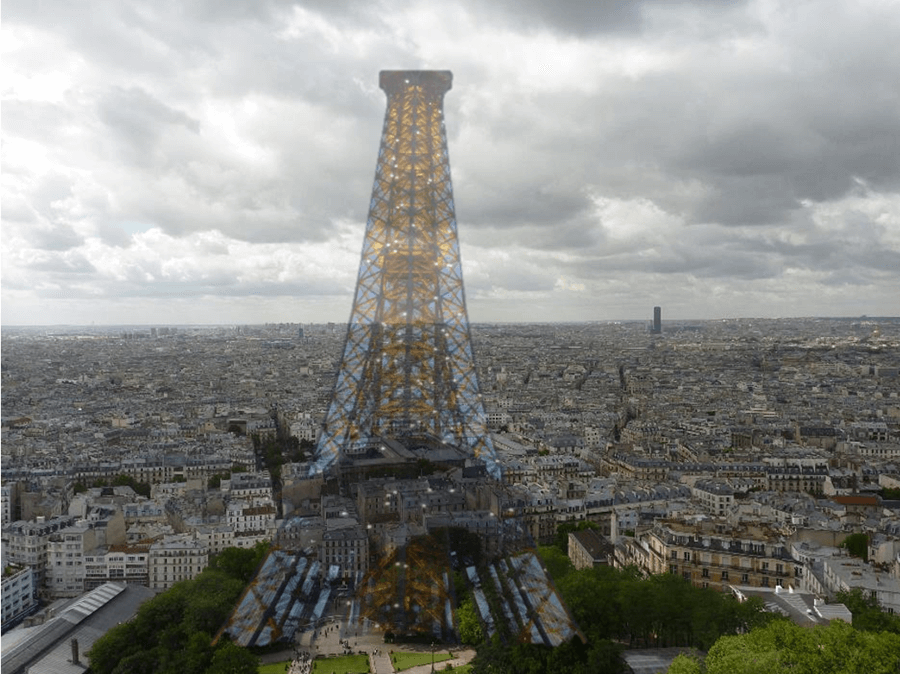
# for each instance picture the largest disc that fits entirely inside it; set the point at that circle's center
(343, 664)
(402, 660)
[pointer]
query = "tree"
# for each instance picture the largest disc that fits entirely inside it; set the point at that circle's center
(240, 563)
(867, 614)
(592, 596)
(561, 540)
(114, 646)
(857, 545)
(687, 664)
(470, 631)
(466, 544)
(215, 481)
(171, 632)
(230, 658)
(782, 647)
(142, 488)
(556, 562)
(604, 656)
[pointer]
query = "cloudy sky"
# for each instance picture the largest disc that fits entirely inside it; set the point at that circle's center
(204, 161)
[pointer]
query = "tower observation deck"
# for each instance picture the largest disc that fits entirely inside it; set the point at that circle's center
(408, 369)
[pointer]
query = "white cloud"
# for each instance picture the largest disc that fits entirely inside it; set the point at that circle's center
(718, 159)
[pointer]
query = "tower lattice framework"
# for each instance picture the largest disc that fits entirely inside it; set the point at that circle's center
(408, 368)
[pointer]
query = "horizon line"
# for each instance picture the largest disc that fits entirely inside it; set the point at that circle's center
(863, 317)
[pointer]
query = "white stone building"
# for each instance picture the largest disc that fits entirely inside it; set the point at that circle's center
(118, 563)
(17, 593)
(176, 558)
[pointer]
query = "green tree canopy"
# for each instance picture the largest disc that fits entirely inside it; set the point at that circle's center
(561, 540)
(867, 614)
(240, 563)
(171, 633)
(232, 659)
(556, 562)
(781, 647)
(470, 631)
(857, 545)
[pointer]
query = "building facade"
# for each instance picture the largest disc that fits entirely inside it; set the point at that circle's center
(712, 554)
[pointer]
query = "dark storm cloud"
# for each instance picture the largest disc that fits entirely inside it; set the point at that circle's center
(759, 129)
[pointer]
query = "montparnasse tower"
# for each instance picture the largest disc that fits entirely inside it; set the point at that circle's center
(408, 369)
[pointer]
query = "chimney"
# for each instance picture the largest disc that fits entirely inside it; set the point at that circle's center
(75, 652)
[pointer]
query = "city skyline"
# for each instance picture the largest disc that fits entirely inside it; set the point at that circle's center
(209, 165)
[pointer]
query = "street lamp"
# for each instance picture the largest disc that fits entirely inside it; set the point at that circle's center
(432, 657)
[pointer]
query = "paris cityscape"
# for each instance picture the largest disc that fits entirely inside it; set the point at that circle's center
(772, 440)
(655, 429)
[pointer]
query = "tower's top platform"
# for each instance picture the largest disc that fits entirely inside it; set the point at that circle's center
(434, 81)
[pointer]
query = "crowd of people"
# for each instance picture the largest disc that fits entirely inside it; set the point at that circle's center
(301, 664)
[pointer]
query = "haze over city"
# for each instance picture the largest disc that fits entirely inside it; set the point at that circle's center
(212, 162)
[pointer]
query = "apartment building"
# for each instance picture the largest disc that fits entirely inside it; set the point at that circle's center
(26, 543)
(176, 558)
(712, 553)
(588, 549)
(8, 494)
(347, 548)
(716, 496)
(17, 593)
(249, 486)
(66, 552)
(244, 518)
(118, 563)
(216, 536)
(842, 574)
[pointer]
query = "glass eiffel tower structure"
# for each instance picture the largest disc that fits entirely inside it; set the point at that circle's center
(408, 369)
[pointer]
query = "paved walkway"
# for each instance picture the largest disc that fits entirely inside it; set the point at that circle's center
(336, 635)
(381, 663)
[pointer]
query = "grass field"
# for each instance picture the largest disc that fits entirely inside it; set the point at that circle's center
(344, 664)
(403, 661)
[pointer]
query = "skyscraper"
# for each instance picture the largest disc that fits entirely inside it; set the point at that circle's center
(408, 369)
(657, 321)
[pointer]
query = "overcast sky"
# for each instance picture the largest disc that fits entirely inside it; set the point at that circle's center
(209, 161)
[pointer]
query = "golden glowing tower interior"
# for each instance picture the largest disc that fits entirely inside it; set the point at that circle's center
(408, 367)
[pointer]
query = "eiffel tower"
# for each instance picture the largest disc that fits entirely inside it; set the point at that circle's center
(407, 369)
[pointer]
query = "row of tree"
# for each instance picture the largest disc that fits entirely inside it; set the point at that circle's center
(122, 480)
(614, 607)
(173, 632)
(785, 648)
(662, 610)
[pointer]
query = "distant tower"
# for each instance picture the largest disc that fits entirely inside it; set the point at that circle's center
(657, 321)
(408, 369)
